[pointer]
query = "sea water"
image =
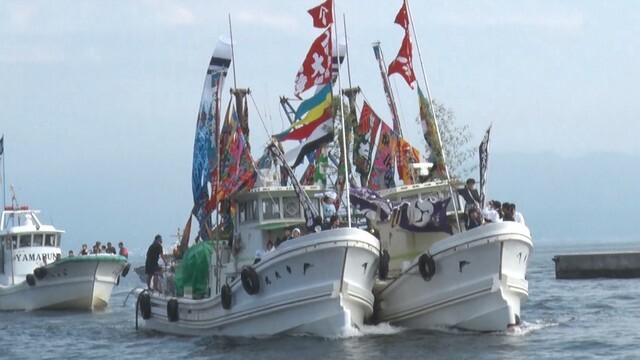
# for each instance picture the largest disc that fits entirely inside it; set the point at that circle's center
(584, 319)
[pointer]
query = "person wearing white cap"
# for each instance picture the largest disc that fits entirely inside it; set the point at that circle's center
(328, 204)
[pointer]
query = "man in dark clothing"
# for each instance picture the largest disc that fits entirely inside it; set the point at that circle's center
(154, 253)
(475, 219)
(470, 195)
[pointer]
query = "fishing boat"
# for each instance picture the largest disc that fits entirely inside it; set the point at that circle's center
(439, 275)
(319, 283)
(34, 274)
(473, 280)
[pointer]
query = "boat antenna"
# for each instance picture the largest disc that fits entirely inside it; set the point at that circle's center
(433, 111)
(4, 195)
(346, 46)
(233, 62)
(343, 132)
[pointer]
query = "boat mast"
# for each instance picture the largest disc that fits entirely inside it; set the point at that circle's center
(4, 195)
(377, 51)
(343, 134)
(435, 118)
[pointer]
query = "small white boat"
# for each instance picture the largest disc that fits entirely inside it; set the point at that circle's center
(34, 276)
(473, 280)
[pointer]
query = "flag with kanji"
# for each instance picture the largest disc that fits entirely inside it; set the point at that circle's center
(316, 67)
(403, 63)
(322, 14)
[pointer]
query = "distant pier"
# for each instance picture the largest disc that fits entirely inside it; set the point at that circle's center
(621, 265)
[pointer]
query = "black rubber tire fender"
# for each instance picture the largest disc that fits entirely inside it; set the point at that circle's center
(250, 280)
(427, 266)
(225, 296)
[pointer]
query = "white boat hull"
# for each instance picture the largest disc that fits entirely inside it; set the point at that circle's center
(478, 283)
(78, 283)
(319, 284)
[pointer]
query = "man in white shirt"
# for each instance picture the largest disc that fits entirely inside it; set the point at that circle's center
(517, 216)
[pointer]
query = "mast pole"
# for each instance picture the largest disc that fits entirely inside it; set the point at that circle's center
(377, 51)
(343, 133)
(233, 63)
(346, 46)
(4, 180)
(435, 118)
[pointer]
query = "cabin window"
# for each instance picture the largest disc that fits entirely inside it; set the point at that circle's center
(271, 208)
(14, 241)
(37, 239)
(50, 240)
(251, 210)
(291, 207)
(25, 241)
(242, 213)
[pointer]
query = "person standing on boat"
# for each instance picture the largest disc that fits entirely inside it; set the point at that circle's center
(154, 253)
(85, 250)
(328, 204)
(123, 250)
(111, 249)
(470, 195)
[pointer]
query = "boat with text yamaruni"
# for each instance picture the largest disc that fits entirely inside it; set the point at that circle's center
(34, 276)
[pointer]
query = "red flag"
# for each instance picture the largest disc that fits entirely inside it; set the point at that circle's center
(316, 68)
(322, 14)
(403, 63)
(402, 18)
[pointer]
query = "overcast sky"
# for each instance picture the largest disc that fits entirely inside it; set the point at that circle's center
(98, 99)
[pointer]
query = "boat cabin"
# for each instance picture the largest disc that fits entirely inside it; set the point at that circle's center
(264, 212)
(25, 244)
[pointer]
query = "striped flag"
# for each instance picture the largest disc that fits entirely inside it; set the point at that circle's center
(484, 163)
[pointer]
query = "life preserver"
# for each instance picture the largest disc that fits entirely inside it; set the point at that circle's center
(40, 272)
(250, 280)
(145, 305)
(126, 269)
(172, 310)
(427, 267)
(225, 296)
(31, 280)
(292, 208)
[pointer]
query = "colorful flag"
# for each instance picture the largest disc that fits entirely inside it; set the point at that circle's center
(370, 204)
(430, 133)
(402, 18)
(313, 117)
(422, 215)
(403, 63)
(321, 135)
(384, 162)
(322, 14)
(365, 136)
(314, 102)
(484, 163)
(321, 166)
(316, 68)
(236, 162)
(407, 155)
(205, 149)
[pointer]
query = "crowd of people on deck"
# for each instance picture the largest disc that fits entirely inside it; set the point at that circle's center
(491, 211)
(98, 248)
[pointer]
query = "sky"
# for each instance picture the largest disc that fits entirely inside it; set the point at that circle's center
(98, 99)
